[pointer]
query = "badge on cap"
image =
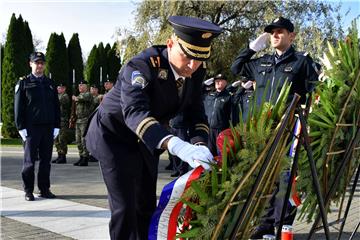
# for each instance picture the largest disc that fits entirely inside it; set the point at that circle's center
(206, 35)
(163, 74)
(138, 80)
(276, 20)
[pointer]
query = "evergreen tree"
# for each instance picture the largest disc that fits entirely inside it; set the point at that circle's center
(15, 65)
(75, 61)
(29, 46)
(92, 70)
(102, 63)
(57, 59)
(114, 64)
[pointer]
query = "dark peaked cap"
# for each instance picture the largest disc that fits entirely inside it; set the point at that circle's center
(280, 22)
(194, 35)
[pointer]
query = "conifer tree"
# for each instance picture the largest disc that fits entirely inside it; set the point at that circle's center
(29, 46)
(75, 61)
(92, 70)
(102, 62)
(57, 59)
(114, 64)
(15, 65)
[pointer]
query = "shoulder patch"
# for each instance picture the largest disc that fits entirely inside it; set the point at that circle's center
(138, 80)
(163, 74)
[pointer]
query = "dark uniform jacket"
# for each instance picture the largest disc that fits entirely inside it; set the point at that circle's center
(36, 102)
(145, 98)
(292, 66)
(218, 109)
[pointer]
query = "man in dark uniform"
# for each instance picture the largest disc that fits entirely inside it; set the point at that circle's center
(37, 117)
(108, 85)
(129, 130)
(273, 70)
(218, 111)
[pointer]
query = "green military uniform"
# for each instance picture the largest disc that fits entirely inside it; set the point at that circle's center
(60, 140)
(84, 107)
(96, 101)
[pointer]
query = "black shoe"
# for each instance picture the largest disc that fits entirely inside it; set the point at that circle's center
(77, 163)
(175, 174)
(46, 194)
(82, 162)
(92, 159)
(61, 159)
(169, 167)
(260, 231)
(29, 196)
(55, 160)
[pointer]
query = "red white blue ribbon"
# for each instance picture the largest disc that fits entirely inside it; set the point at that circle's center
(164, 221)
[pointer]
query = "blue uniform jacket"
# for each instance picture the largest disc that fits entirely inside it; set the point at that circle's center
(145, 98)
(36, 102)
(293, 66)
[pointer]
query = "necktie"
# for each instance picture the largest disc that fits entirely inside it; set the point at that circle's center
(179, 82)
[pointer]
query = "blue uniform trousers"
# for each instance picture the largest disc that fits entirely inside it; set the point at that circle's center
(38, 144)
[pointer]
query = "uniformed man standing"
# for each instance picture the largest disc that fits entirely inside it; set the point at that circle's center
(94, 90)
(84, 107)
(37, 117)
(218, 110)
(108, 85)
(128, 131)
(61, 139)
(285, 64)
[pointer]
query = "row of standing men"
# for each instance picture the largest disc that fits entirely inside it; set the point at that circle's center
(81, 108)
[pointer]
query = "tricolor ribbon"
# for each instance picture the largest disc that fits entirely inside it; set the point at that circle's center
(294, 198)
(164, 221)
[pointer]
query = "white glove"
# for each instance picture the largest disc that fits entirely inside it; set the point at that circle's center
(23, 134)
(260, 43)
(209, 81)
(247, 85)
(193, 155)
(56, 132)
(236, 84)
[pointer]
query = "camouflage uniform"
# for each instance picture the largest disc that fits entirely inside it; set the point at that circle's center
(60, 141)
(96, 101)
(84, 107)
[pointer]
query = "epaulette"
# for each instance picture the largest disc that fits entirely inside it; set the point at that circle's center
(155, 61)
(22, 78)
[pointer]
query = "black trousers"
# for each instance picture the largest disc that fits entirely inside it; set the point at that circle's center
(272, 215)
(39, 143)
(130, 175)
(213, 134)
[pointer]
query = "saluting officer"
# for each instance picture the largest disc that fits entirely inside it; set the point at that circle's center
(60, 140)
(84, 107)
(37, 117)
(285, 64)
(128, 132)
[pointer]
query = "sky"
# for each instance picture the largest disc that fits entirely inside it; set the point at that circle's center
(95, 21)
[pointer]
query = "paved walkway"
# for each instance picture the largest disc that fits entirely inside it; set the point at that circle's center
(80, 210)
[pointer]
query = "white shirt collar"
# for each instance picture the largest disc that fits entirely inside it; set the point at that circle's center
(176, 75)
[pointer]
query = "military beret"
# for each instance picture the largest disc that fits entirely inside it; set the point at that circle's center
(82, 82)
(194, 35)
(220, 76)
(94, 86)
(36, 56)
(108, 80)
(61, 85)
(280, 22)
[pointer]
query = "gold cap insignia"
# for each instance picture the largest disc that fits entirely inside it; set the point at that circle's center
(276, 20)
(206, 35)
